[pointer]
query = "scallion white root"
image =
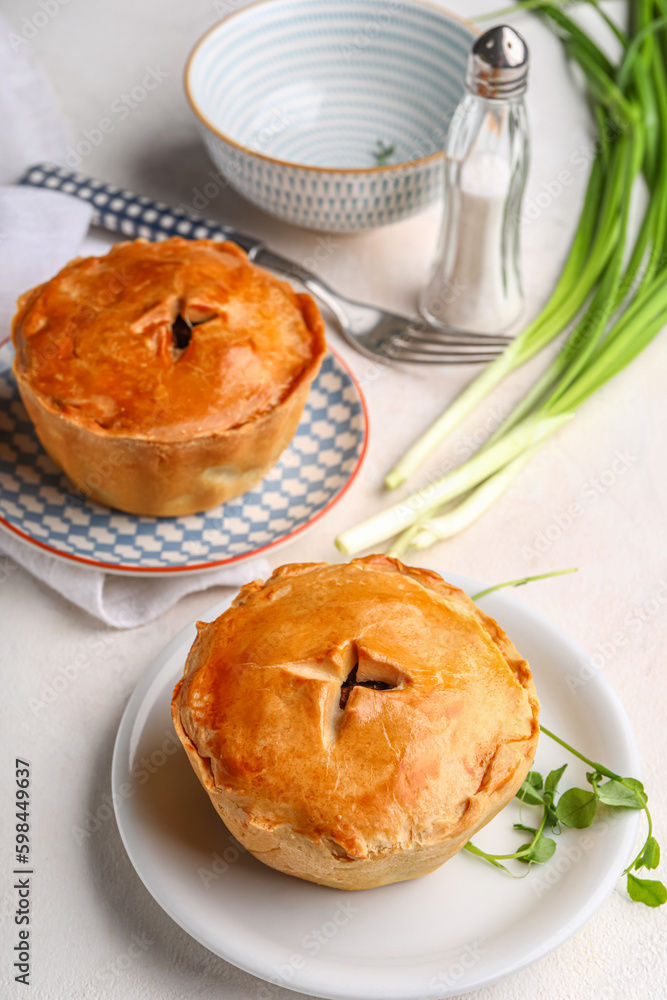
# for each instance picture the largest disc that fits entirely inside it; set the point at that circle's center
(485, 463)
(437, 529)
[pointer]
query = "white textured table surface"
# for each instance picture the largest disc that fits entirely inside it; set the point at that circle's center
(89, 908)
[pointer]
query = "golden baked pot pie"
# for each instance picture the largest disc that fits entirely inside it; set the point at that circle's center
(356, 724)
(166, 378)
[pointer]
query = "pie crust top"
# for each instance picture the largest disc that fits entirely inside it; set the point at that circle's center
(369, 706)
(165, 341)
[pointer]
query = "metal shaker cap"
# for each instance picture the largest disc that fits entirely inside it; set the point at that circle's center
(498, 64)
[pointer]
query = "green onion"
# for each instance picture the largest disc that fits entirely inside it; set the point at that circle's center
(477, 502)
(487, 461)
(588, 256)
(624, 304)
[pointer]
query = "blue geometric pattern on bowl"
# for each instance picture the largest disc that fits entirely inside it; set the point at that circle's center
(39, 503)
(296, 98)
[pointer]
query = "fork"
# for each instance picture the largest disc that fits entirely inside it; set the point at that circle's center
(371, 330)
(376, 332)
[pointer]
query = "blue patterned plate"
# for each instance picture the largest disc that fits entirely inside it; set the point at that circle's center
(39, 504)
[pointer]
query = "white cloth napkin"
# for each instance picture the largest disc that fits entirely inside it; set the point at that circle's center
(122, 601)
(31, 124)
(39, 232)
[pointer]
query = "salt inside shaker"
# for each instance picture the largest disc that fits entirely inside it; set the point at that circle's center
(476, 283)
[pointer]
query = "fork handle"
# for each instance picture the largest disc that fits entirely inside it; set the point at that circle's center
(122, 211)
(290, 269)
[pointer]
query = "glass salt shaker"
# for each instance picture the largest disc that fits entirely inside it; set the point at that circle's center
(476, 282)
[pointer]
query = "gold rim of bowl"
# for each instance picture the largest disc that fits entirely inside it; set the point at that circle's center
(288, 163)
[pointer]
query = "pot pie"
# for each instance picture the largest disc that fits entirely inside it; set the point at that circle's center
(166, 378)
(356, 724)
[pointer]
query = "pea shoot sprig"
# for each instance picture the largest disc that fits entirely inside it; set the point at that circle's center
(576, 808)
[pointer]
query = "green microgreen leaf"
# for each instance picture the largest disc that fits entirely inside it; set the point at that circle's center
(647, 891)
(577, 807)
(637, 787)
(551, 821)
(470, 847)
(551, 784)
(526, 829)
(383, 152)
(530, 792)
(617, 794)
(537, 852)
(650, 856)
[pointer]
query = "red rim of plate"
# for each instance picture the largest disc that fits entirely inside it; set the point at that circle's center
(161, 570)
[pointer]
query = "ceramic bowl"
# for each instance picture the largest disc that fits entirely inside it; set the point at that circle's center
(331, 114)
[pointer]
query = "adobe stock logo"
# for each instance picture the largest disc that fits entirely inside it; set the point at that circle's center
(589, 493)
(316, 939)
(31, 25)
(121, 108)
(464, 961)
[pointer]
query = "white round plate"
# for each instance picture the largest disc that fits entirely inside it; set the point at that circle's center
(460, 928)
(40, 506)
